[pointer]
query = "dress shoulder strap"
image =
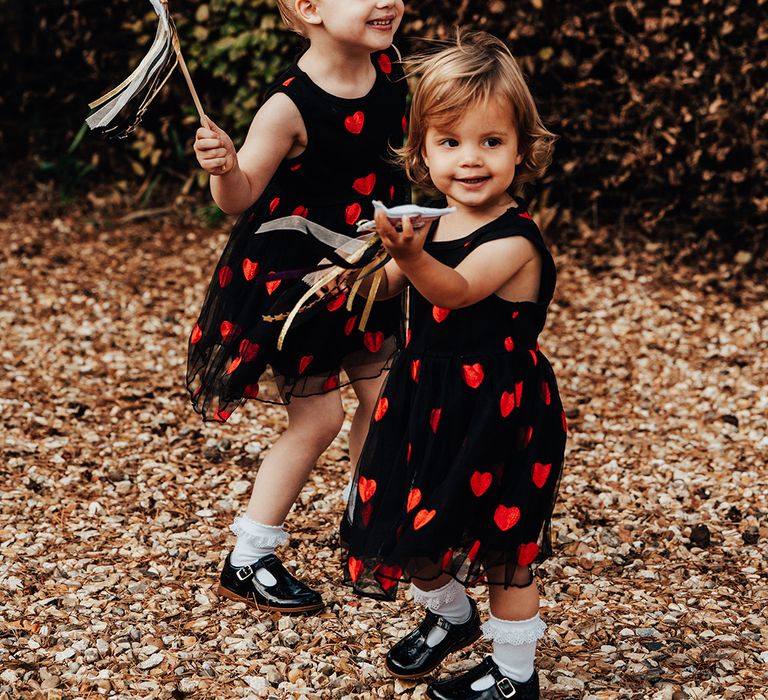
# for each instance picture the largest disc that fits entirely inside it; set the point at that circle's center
(518, 222)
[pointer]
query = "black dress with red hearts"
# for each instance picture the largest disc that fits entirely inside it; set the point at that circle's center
(460, 469)
(260, 277)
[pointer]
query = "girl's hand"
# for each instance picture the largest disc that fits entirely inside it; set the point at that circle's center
(403, 247)
(214, 149)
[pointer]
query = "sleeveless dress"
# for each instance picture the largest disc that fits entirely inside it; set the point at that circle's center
(461, 465)
(259, 277)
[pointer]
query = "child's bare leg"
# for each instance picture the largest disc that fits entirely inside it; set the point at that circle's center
(367, 392)
(250, 574)
(313, 423)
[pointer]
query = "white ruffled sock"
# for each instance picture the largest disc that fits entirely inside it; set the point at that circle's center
(449, 602)
(254, 540)
(514, 648)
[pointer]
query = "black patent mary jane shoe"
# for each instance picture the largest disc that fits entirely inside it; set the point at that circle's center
(460, 688)
(266, 585)
(411, 657)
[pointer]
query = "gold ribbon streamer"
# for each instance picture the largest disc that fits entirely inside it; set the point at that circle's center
(325, 280)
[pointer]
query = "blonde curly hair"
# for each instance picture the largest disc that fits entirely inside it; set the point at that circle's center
(287, 10)
(475, 68)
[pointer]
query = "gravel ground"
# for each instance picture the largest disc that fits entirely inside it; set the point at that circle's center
(116, 499)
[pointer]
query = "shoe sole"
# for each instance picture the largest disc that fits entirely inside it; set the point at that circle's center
(226, 593)
(427, 671)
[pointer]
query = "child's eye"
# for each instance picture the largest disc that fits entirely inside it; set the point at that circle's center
(451, 143)
(492, 142)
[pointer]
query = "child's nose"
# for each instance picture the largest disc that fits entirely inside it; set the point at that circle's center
(470, 156)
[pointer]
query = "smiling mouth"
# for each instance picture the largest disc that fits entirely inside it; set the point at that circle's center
(472, 180)
(384, 23)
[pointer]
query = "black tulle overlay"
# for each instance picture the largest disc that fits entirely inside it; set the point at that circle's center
(261, 276)
(461, 466)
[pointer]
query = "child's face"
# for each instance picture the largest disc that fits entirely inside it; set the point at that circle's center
(472, 160)
(370, 24)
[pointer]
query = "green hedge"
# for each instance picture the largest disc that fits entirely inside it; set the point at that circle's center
(661, 105)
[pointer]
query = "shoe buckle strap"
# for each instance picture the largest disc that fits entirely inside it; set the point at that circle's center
(442, 623)
(506, 688)
(244, 573)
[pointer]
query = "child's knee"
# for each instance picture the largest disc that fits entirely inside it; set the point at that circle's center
(321, 427)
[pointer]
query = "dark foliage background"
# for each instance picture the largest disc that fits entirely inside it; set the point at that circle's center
(662, 106)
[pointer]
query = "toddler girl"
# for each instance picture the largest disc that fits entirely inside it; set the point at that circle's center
(458, 475)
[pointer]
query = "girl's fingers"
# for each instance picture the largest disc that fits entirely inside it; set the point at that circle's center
(383, 225)
(202, 133)
(208, 144)
(213, 163)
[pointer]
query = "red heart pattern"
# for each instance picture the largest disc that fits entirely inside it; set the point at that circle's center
(506, 517)
(229, 330)
(527, 553)
(221, 416)
(387, 576)
(507, 403)
(541, 474)
(250, 268)
(366, 487)
(414, 498)
(251, 391)
(352, 213)
(509, 344)
(385, 63)
(248, 350)
(473, 375)
(305, 362)
(415, 368)
(564, 421)
(355, 567)
(225, 276)
(286, 83)
(365, 185)
(300, 211)
(355, 122)
(434, 419)
(381, 408)
(337, 302)
(480, 482)
(349, 326)
(196, 336)
(546, 396)
(524, 436)
(272, 286)
(373, 340)
(331, 383)
(365, 514)
(423, 517)
(273, 205)
(510, 401)
(447, 559)
(440, 314)
(234, 364)
(473, 550)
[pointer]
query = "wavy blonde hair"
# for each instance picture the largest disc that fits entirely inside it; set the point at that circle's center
(476, 68)
(287, 10)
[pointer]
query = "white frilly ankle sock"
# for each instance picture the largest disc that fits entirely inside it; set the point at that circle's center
(254, 540)
(514, 648)
(449, 602)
